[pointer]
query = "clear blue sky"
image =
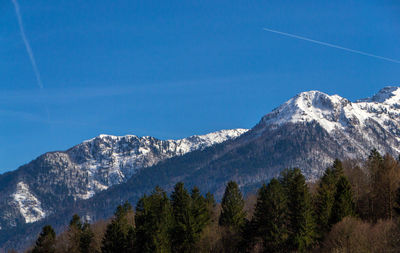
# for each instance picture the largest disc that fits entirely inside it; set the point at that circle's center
(171, 69)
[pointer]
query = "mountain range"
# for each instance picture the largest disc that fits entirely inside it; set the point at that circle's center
(308, 131)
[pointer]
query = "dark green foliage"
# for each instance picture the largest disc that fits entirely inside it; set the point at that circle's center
(232, 214)
(46, 241)
(325, 197)
(249, 236)
(74, 234)
(397, 205)
(80, 236)
(301, 224)
(324, 200)
(153, 221)
(337, 168)
(116, 235)
(210, 202)
(184, 234)
(344, 204)
(375, 156)
(75, 222)
(270, 217)
(86, 238)
(200, 209)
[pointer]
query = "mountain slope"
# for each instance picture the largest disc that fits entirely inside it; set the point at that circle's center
(57, 179)
(309, 131)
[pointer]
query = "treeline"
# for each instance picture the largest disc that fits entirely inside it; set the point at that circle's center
(352, 208)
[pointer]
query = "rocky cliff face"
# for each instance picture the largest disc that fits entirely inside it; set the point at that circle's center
(56, 179)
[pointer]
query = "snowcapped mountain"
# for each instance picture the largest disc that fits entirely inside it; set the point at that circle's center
(55, 179)
(108, 160)
(355, 126)
(309, 131)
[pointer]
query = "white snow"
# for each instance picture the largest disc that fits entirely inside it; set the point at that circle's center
(28, 205)
(338, 115)
(333, 112)
(110, 160)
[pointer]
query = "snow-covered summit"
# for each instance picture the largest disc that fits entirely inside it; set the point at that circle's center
(366, 123)
(309, 106)
(335, 112)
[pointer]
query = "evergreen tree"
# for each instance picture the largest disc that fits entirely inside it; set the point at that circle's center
(116, 236)
(301, 224)
(153, 221)
(232, 214)
(324, 201)
(46, 241)
(344, 204)
(86, 239)
(80, 236)
(270, 216)
(183, 233)
(200, 209)
(74, 234)
(325, 197)
(337, 168)
(210, 202)
(397, 205)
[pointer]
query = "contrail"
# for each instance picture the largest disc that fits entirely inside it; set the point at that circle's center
(27, 45)
(331, 45)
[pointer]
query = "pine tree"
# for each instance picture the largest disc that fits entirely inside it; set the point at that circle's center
(183, 233)
(337, 168)
(115, 238)
(86, 239)
(74, 234)
(210, 202)
(324, 201)
(270, 216)
(46, 241)
(200, 211)
(397, 205)
(232, 214)
(153, 221)
(301, 224)
(344, 204)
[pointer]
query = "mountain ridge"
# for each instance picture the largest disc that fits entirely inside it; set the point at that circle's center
(55, 178)
(308, 131)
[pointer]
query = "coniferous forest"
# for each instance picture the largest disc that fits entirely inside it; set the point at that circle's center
(354, 207)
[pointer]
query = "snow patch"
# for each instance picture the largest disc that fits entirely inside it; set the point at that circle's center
(28, 205)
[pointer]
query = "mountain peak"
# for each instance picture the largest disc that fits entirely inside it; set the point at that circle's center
(309, 106)
(333, 112)
(387, 95)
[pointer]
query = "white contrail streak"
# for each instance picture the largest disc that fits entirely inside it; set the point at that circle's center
(331, 45)
(27, 45)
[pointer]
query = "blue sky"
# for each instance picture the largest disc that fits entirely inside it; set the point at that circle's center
(171, 69)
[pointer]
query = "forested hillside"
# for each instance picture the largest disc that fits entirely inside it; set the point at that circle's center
(352, 208)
